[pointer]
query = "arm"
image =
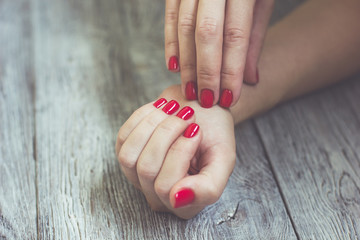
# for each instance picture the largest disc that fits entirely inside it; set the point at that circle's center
(315, 46)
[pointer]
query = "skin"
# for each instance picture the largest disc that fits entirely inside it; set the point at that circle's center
(218, 43)
(322, 49)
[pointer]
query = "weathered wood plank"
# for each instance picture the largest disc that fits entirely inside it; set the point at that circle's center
(314, 147)
(96, 63)
(17, 165)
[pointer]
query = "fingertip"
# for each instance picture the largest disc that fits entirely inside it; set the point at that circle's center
(173, 64)
(206, 98)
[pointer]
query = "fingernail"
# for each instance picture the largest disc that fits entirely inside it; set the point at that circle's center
(206, 98)
(185, 113)
(160, 102)
(257, 75)
(190, 91)
(184, 197)
(173, 63)
(191, 130)
(226, 98)
(171, 107)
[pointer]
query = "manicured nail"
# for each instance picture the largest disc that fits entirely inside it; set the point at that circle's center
(184, 197)
(171, 107)
(160, 102)
(226, 98)
(191, 130)
(190, 91)
(185, 113)
(173, 63)
(257, 75)
(206, 98)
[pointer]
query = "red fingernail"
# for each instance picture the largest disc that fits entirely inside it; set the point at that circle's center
(184, 197)
(160, 102)
(190, 91)
(226, 98)
(185, 113)
(171, 107)
(173, 63)
(191, 130)
(206, 98)
(257, 75)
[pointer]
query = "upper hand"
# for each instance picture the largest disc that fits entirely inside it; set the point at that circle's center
(215, 44)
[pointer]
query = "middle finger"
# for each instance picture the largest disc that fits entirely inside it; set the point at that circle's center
(209, 39)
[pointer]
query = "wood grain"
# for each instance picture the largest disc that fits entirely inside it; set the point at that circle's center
(316, 161)
(71, 72)
(17, 165)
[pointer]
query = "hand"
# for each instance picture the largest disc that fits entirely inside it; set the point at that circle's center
(218, 43)
(178, 174)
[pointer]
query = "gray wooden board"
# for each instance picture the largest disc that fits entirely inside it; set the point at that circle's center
(316, 159)
(17, 165)
(95, 63)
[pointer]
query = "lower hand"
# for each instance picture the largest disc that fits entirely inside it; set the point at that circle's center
(177, 174)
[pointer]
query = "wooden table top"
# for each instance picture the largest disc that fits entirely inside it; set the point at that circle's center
(71, 72)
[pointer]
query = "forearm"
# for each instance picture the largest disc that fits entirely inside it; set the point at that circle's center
(316, 45)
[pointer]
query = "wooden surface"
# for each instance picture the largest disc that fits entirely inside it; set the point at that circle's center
(72, 71)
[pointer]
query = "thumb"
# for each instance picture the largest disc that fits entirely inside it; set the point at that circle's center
(194, 192)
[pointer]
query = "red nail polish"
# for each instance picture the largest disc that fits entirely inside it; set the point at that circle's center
(191, 130)
(184, 197)
(185, 113)
(160, 102)
(206, 98)
(226, 98)
(171, 107)
(190, 91)
(173, 63)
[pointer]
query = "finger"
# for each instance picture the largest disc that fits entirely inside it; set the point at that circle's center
(177, 162)
(191, 194)
(153, 155)
(262, 14)
(208, 38)
(171, 35)
(186, 35)
(238, 22)
(134, 120)
(138, 138)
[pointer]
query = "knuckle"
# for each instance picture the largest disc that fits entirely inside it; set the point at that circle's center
(234, 36)
(126, 159)
(207, 75)
(146, 172)
(208, 29)
(168, 128)
(151, 122)
(230, 72)
(187, 24)
(177, 150)
(187, 66)
(171, 15)
(172, 44)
